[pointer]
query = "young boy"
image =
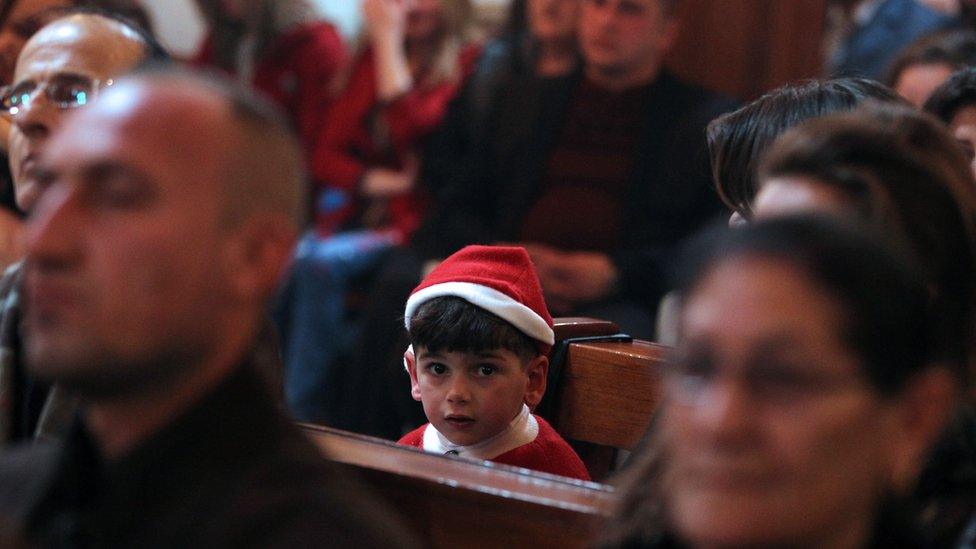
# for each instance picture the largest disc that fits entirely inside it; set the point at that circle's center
(480, 334)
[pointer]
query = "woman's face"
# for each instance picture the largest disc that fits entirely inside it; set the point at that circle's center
(775, 436)
(553, 20)
(425, 19)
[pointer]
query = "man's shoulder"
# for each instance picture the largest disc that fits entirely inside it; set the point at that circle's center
(311, 502)
(288, 493)
(23, 471)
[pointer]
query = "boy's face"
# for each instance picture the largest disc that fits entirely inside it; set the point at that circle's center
(470, 397)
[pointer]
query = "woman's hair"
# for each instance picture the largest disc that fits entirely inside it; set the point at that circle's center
(905, 175)
(955, 49)
(737, 140)
(956, 93)
(884, 323)
(264, 25)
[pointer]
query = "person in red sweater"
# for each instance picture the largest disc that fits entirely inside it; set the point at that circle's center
(481, 334)
(282, 49)
(411, 64)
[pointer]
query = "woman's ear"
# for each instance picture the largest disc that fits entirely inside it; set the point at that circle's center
(921, 417)
(537, 372)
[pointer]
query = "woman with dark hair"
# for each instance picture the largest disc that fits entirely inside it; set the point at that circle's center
(282, 49)
(900, 171)
(800, 400)
(737, 140)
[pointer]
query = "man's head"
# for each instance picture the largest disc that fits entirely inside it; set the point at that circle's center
(171, 211)
(481, 333)
(61, 66)
(625, 39)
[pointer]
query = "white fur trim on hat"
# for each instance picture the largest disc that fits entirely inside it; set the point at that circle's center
(525, 319)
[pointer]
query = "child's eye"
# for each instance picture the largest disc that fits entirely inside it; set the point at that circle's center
(437, 369)
(486, 370)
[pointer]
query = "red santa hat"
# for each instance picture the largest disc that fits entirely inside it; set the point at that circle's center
(498, 279)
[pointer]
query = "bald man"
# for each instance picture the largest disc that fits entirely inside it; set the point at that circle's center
(171, 211)
(60, 69)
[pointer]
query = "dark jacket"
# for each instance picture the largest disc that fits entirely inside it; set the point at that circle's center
(485, 195)
(232, 471)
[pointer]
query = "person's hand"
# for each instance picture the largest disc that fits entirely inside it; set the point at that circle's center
(570, 279)
(387, 183)
(386, 19)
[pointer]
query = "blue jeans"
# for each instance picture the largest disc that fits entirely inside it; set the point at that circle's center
(310, 316)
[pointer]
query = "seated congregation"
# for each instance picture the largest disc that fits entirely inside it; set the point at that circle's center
(426, 289)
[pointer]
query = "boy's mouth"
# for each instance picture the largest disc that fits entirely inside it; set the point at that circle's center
(459, 420)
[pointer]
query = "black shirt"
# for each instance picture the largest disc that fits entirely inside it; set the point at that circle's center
(231, 472)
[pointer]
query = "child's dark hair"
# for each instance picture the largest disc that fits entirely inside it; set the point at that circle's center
(453, 324)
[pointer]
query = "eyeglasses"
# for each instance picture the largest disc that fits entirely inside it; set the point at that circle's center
(67, 91)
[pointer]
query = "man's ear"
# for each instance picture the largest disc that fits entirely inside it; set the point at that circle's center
(921, 417)
(410, 360)
(537, 371)
(257, 255)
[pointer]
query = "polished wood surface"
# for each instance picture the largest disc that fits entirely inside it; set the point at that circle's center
(746, 47)
(573, 327)
(454, 502)
(610, 392)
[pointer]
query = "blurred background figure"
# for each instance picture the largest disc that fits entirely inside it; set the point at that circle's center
(411, 61)
(864, 36)
(928, 62)
(19, 20)
(281, 48)
(954, 103)
(803, 422)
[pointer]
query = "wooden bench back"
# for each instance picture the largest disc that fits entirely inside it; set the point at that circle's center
(454, 502)
(606, 393)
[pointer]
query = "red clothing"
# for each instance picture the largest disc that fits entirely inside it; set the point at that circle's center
(548, 453)
(351, 143)
(297, 72)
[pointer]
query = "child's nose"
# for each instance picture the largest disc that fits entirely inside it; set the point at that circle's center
(458, 391)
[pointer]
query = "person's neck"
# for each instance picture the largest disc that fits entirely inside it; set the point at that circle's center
(556, 58)
(615, 80)
(120, 424)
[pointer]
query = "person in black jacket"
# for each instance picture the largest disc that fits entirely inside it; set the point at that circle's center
(170, 211)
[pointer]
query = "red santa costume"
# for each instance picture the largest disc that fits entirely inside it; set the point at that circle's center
(503, 281)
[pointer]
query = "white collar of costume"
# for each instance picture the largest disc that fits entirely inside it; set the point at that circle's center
(521, 431)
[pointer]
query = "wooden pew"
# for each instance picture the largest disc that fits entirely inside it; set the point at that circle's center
(606, 394)
(454, 502)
